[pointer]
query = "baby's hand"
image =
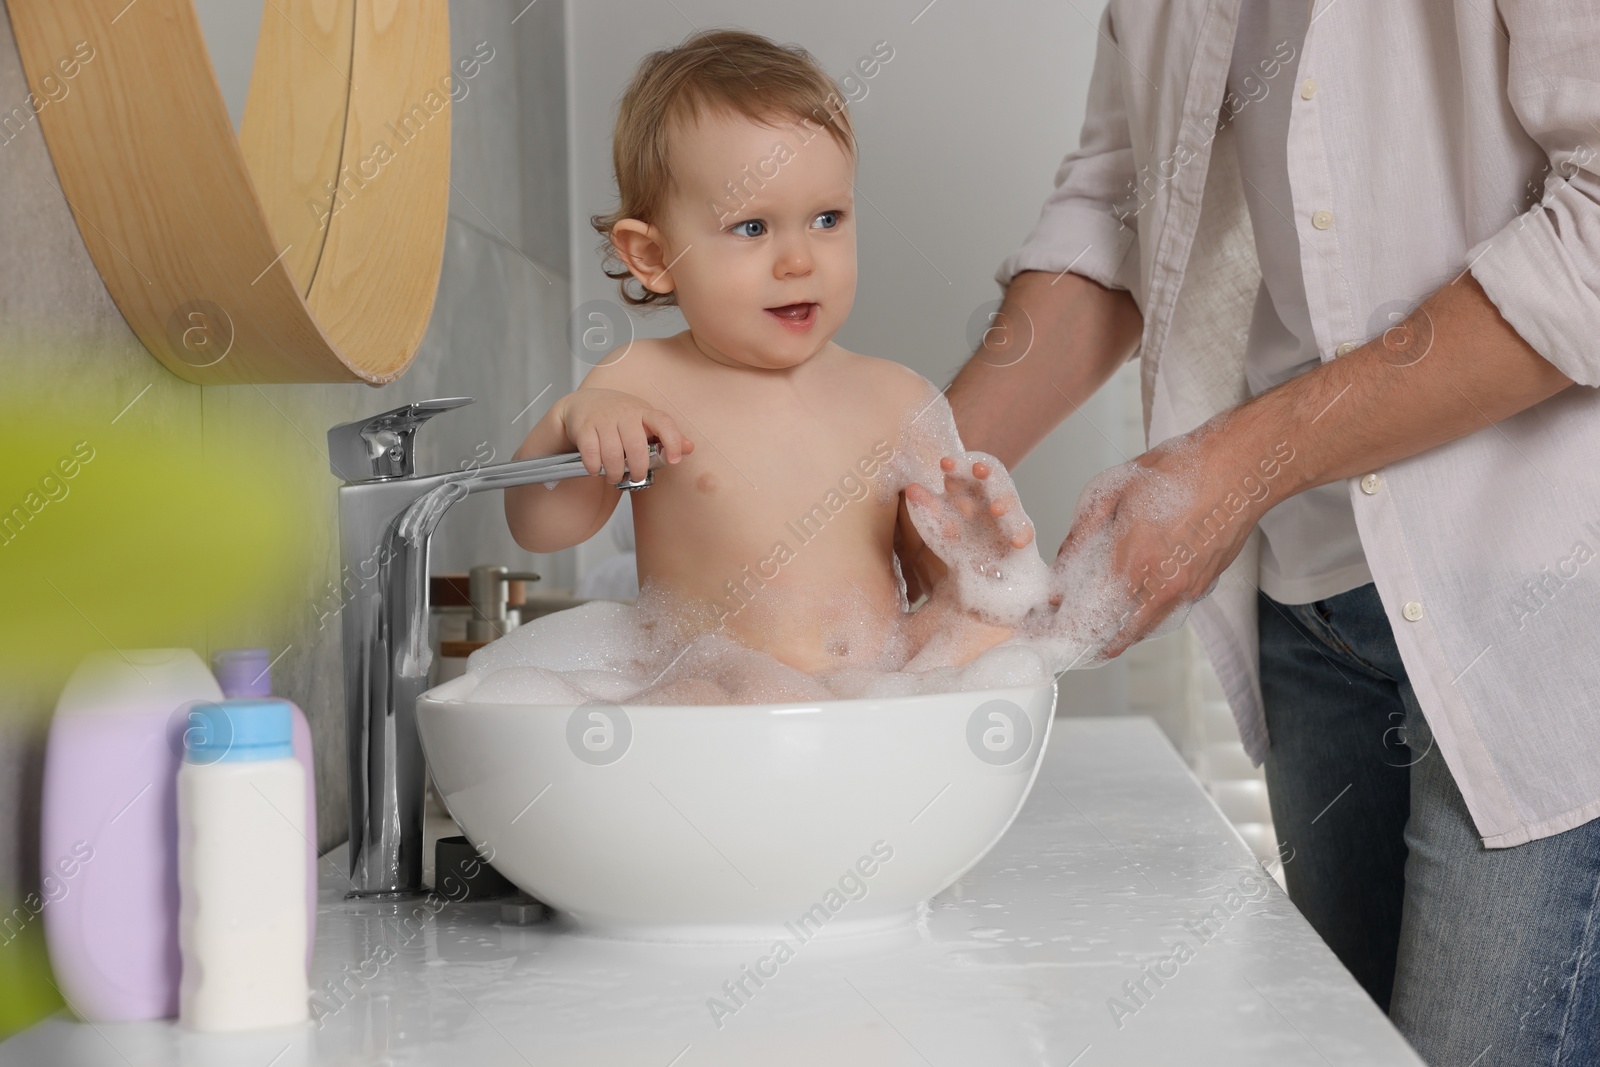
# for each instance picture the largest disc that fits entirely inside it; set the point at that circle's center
(971, 511)
(612, 431)
(978, 528)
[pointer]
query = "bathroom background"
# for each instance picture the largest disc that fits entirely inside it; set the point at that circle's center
(961, 131)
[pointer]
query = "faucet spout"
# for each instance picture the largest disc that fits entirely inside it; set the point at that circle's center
(387, 518)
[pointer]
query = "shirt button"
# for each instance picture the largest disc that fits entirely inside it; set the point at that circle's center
(1370, 484)
(1412, 611)
(1308, 88)
(1322, 219)
(1346, 348)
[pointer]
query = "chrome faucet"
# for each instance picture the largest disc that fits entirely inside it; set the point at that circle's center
(387, 516)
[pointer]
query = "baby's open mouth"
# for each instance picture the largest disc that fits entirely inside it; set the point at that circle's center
(795, 316)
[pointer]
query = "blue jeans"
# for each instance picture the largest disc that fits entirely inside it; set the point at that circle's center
(1480, 956)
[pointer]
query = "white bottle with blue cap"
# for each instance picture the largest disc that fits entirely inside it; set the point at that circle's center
(241, 869)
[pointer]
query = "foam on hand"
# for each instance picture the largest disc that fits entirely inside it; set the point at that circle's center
(990, 577)
(1096, 601)
(664, 650)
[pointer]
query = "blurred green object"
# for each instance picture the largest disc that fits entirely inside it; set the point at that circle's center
(137, 534)
(27, 990)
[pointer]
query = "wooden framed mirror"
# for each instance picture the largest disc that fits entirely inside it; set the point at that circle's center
(306, 247)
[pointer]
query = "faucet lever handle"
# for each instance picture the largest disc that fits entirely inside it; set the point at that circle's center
(384, 445)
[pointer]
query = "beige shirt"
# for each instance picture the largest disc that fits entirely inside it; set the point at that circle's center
(1310, 548)
(1426, 137)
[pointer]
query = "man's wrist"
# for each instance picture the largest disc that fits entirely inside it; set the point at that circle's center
(1257, 443)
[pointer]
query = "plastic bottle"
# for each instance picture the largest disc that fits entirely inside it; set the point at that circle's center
(241, 869)
(108, 831)
(246, 673)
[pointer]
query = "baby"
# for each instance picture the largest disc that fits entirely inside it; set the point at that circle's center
(793, 465)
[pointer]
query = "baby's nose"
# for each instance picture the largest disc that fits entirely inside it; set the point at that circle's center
(794, 260)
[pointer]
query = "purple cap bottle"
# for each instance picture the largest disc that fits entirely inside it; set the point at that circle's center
(246, 673)
(243, 673)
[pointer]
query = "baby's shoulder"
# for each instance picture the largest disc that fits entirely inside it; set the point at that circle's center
(895, 384)
(629, 365)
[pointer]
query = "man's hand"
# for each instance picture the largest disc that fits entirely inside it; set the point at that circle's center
(1151, 537)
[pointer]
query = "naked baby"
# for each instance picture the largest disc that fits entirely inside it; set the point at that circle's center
(791, 463)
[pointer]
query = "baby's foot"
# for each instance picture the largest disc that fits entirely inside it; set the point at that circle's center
(978, 528)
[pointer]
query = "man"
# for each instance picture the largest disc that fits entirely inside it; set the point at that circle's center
(1357, 247)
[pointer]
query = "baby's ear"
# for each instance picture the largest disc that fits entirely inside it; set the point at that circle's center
(642, 250)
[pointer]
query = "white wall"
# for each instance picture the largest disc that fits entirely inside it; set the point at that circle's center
(960, 135)
(231, 28)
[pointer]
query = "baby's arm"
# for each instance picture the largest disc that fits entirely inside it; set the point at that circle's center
(611, 430)
(964, 542)
(992, 577)
(956, 528)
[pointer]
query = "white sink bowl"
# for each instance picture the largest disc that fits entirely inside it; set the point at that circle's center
(733, 823)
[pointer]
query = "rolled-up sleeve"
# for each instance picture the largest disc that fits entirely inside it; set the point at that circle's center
(1542, 269)
(1079, 227)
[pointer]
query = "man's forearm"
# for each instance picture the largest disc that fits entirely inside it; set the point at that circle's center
(1055, 340)
(1454, 367)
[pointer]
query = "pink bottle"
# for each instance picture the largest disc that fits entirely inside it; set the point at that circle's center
(109, 830)
(108, 836)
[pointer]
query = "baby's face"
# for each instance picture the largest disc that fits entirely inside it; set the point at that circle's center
(759, 231)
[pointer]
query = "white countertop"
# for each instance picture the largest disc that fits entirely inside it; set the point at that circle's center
(1114, 862)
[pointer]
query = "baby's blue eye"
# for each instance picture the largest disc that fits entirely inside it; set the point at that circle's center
(750, 228)
(826, 221)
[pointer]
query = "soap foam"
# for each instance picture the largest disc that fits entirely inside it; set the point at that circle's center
(666, 650)
(536, 664)
(1096, 600)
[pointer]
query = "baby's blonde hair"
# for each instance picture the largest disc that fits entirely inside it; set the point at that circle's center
(731, 69)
